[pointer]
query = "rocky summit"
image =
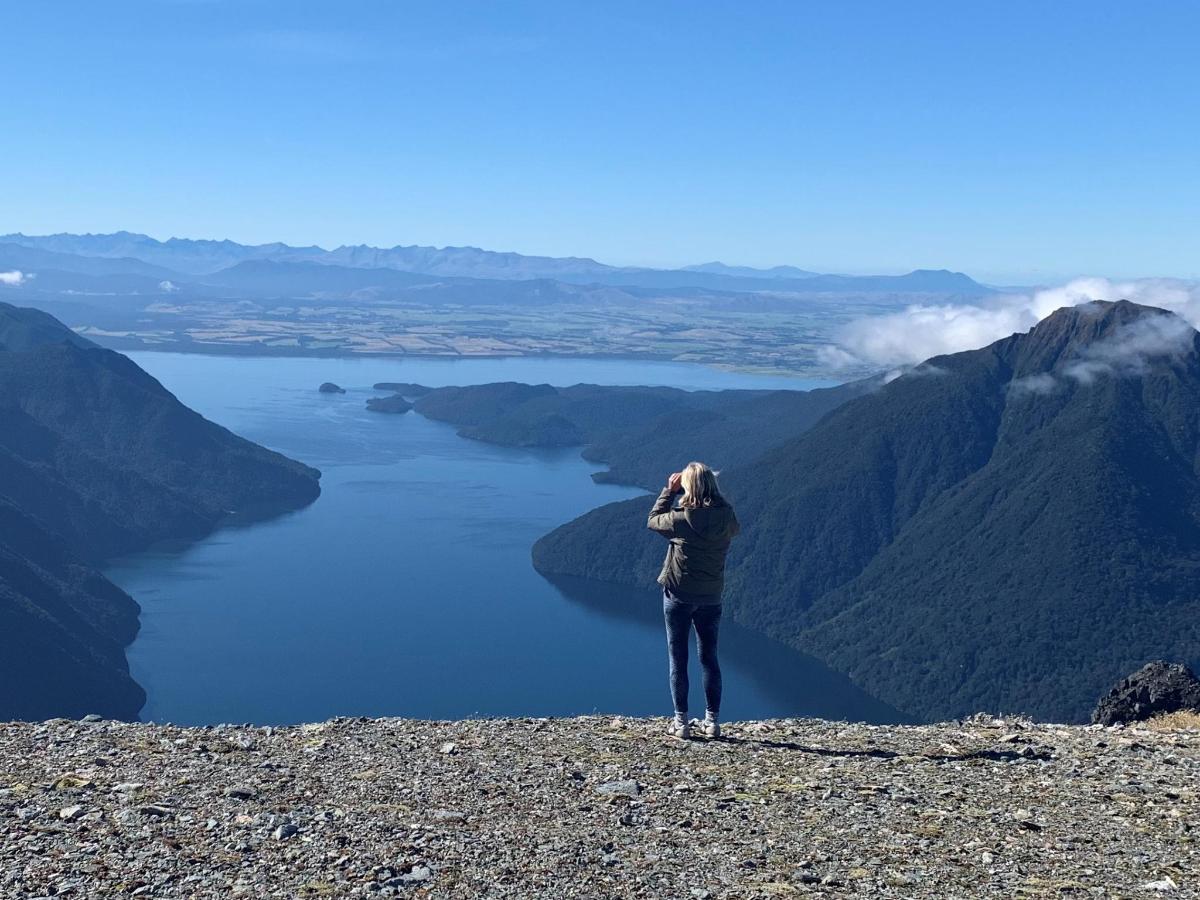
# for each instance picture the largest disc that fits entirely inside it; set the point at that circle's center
(597, 807)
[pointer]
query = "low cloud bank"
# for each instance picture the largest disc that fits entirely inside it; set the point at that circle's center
(14, 278)
(919, 332)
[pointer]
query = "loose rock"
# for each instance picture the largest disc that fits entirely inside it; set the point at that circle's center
(573, 808)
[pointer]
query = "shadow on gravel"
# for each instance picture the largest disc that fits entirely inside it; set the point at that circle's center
(1003, 756)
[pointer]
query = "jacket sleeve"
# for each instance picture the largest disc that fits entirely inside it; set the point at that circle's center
(663, 518)
(735, 527)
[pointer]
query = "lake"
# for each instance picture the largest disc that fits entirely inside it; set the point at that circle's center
(406, 589)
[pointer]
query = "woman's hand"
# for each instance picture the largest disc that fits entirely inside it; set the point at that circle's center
(675, 482)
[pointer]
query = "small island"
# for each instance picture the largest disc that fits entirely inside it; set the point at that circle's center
(392, 404)
(330, 388)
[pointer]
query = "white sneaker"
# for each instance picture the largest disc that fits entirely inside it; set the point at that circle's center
(711, 727)
(680, 727)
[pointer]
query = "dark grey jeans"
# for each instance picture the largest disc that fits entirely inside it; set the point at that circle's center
(681, 616)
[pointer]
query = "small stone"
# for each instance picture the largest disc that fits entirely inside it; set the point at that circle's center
(92, 717)
(156, 810)
(449, 747)
(285, 831)
(417, 874)
(240, 793)
(1163, 884)
(70, 813)
(622, 788)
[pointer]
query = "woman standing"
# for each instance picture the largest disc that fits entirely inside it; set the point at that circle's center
(693, 575)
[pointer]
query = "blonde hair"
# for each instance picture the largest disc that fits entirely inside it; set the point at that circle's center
(699, 484)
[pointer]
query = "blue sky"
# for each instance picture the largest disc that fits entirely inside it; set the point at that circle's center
(1015, 141)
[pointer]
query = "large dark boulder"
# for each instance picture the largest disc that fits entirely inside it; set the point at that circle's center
(1154, 689)
(330, 388)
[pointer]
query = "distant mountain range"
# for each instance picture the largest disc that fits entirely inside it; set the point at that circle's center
(200, 262)
(719, 268)
(98, 459)
(1010, 529)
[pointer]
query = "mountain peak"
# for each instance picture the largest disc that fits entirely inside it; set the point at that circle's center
(1117, 331)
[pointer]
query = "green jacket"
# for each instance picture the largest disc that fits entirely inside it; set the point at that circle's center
(700, 537)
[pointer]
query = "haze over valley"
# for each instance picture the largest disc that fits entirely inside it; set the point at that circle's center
(129, 291)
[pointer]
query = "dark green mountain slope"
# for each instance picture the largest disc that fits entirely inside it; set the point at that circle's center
(63, 630)
(639, 432)
(96, 459)
(1010, 528)
(102, 454)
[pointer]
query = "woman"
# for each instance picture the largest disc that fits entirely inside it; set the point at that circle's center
(693, 575)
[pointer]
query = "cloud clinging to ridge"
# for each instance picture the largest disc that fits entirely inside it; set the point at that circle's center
(922, 331)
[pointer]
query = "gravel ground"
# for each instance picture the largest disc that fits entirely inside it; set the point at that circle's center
(596, 807)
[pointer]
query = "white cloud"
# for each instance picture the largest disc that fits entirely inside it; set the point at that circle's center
(1042, 383)
(15, 278)
(1131, 347)
(920, 332)
(168, 287)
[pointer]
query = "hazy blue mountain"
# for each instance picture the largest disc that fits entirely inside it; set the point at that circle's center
(930, 281)
(280, 278)
(32, 259)
(275, 278)
(469, 262)
(719, 268)
(181, 255)
(268, 278)
(98, 459)
(200, 260)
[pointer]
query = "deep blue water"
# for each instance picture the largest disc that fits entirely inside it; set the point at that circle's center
(407, 588)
